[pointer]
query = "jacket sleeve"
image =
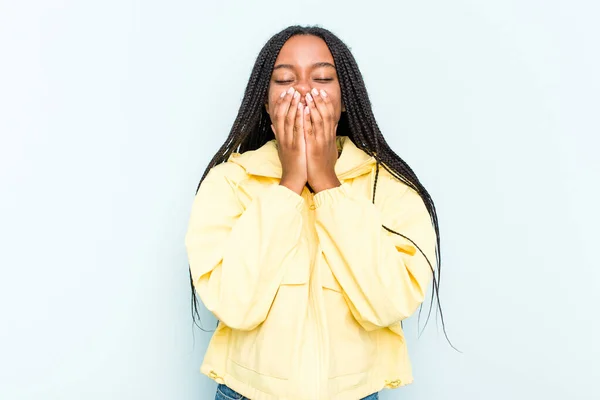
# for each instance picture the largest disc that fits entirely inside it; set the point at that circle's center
(236, 252)
(383, 276)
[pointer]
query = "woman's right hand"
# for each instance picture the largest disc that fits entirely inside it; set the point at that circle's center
(288, 126)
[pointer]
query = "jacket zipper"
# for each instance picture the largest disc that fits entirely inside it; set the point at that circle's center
(314, 299)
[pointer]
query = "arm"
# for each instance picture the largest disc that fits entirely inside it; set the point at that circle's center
(236, 254)
(384, 277)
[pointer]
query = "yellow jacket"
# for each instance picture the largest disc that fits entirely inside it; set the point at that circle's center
(309, 289)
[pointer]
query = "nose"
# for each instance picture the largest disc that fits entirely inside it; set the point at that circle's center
(303, 87)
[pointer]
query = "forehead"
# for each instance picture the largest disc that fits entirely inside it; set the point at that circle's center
(304, 50)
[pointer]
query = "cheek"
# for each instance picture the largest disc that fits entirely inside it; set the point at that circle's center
(272, 96)
(335, 96)
(337, 105)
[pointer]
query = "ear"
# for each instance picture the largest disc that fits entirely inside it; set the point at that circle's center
(343, 108)
(267, 108)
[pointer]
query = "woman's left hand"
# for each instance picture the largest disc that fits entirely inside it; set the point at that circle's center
(321, 147)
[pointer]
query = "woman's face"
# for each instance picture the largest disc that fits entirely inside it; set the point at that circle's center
(303, 63)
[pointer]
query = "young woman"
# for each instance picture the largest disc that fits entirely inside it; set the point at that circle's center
(309, 239)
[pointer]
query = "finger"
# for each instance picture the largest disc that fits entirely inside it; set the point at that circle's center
(290, 118)
(321, 102)
(326, 116)
(273, 114)
(308, 128)
(281, 112)
(330, 110)
(279, 99)
(315, 117)
(299, 123)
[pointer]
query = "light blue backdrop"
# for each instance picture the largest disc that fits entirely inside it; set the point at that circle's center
(109, 112)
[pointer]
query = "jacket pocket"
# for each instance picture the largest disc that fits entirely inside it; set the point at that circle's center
(353, 350)
(270, 348)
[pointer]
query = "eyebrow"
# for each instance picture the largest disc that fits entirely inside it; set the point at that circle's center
(315, 65)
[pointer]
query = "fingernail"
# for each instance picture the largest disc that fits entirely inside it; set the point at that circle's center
(323, 94)
(283, 94)
(306, 110)
(308, 97)
(315, 92)
(296, 95)
(291, 90)
(299, 106)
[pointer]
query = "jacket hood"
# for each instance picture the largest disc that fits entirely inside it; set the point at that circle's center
(264, 161)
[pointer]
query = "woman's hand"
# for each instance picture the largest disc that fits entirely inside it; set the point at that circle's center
(288, 126)
(321, 147)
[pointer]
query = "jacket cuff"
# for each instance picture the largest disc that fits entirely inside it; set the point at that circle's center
(332, 195)
(286, 194)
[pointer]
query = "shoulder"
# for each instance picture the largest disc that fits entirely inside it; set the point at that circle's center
(227, 169)
(262, 162)
(392, 193)
(222, 176)
(389, 184)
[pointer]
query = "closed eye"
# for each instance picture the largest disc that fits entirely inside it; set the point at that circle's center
(316, 79)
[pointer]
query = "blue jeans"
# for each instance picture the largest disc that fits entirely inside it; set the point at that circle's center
(225, 393)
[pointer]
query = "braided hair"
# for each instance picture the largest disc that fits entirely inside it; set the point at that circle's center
(251, 129)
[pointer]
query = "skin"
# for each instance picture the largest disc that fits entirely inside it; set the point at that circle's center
(304, 103)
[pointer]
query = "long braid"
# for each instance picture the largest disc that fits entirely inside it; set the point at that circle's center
(364, 128)
(251, 129)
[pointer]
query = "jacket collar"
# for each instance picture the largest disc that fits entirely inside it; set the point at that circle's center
(264, 161)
